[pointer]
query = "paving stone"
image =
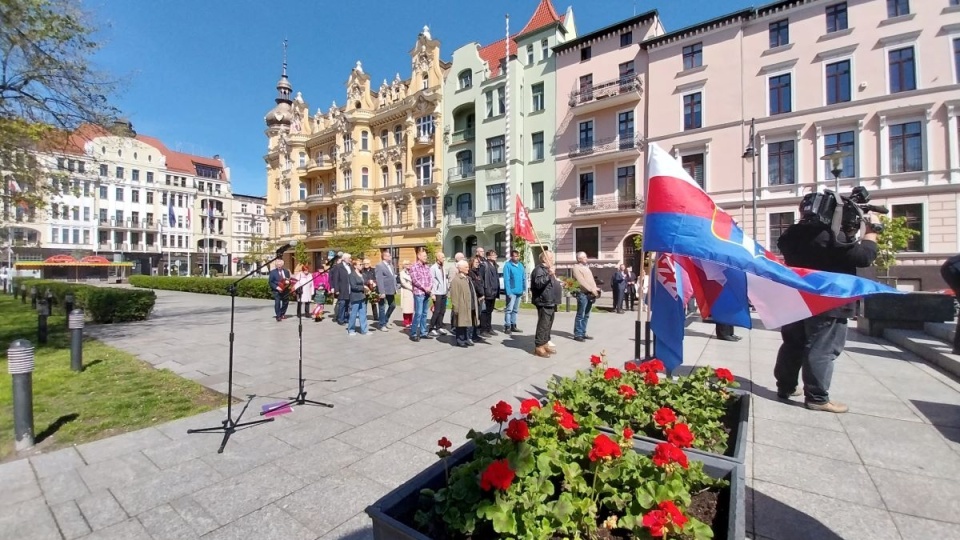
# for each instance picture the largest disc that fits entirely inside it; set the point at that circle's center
(793, 413)
(239, 495)
(809, 440)
(164, 523)
(118, 471)
(359, 527)
(314, 506)
(63, 487)
(18, 481)
(119, 445)
(56, 462)
(376, 435)
(919, 496)
(166, 486)
(417, 416)
(267, 523)
(190, 511)
(904, 446)
(27, 520)
(164, 456)
(914, 528)
(359, 413)
(308, 434)
(426, 438)
(394, 464)
(130, 529)
(100, 509)
(70, 520)
(323, 459)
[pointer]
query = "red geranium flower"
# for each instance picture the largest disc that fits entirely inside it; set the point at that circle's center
(595, 360)
(627, 433)
(658, 521)
(611, 373)
(501, 411)
(651, 378)
(518, 430)
(652, 365)
(631, 366)
(680, 435)
(444, 443)
(567, 421)
(558, 408)
(528, 405)
(498, 475)
(676, 516)
(665, 454)
(627, 391)
(664, 416)
(604, 447)
(724, 374)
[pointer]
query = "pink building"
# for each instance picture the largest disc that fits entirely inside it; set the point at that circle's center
(877, 79)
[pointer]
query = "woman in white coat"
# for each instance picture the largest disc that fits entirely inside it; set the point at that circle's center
(406, 294)
(304, 281)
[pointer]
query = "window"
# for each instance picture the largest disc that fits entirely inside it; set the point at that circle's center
(837, 17)
(780, 101)
(844, 142)
(586, 53)
(135, 195)
(425, 126)
(103, 170)
(956, 56)
(586, 83)
(398, 173)
(119, 193)
(495, 149)
(693, 56)
(135, 175)
(914, 216)
(424, 170)
(54, 233)
(626, 72)
(55, 211)
(303, 191)
(364, 215)
(103, 215)
(626, 38)
(497, 198)
(149, 197)
(149, 177)
(347, 180)
(626, 186)
(537, 141)
(488, 95)
(76, 236)
(86, 237)
(781, 165)
(465, 205)
(779, 33)
(364, 145)
(903, 70)
(120, 172)
(365, 178)
(60, 163)
(625, 129)
(693, 111)
(384, 177)
(465, 79)
(530, 54)
(906, 148)
(585, 133)
(397, 134)
(86, 213)
(503, 66)
(544, 49)
(693, 164)
(587, 240)
(425, 81)
(536, 190)
(427, 212)
(898, 8)
(347, 144)
(500, 242)
(779, 223)
(838, 82)
(586, 189)
(103, 192)
(538, 102)
(502, 100)
(86, 188)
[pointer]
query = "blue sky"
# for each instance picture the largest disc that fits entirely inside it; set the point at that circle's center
(200, 74)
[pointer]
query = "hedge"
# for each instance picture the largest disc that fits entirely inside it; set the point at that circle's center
(248, 288)
(100, 304)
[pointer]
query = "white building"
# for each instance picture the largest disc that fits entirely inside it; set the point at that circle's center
(250, 227)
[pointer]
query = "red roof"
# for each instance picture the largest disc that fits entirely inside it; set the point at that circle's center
(495, 52)
(179, 161)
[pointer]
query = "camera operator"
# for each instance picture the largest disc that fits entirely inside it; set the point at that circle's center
(812, 344)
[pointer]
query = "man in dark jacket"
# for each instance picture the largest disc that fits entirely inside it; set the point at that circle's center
(812, 344)
(280, 300)
(340, 283)
(951, 274)
(491, 291)
(546, 293)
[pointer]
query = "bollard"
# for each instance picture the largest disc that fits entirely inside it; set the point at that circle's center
(23, 294)
(33, 297)
(75, 323)
(568, 304)
(68, 306)
(20, 366)
(51, 301)
(43, 311)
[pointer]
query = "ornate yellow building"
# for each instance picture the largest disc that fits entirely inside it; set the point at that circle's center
(376, 159)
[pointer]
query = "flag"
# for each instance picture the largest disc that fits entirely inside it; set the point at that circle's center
(13, 186)
(721, 293)
(523, 228)
(683, 220)
(188, 216)
(669, 296)
(172, 218)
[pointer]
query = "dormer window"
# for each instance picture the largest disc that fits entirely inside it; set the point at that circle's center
(425, 81)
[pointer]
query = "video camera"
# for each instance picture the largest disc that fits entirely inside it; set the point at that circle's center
(836, 212)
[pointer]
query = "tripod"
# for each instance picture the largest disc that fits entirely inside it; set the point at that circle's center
(301, 397)
(229, 426)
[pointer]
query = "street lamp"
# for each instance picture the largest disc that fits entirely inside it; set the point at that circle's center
(751, 153)
(835, 159)
(400, 203)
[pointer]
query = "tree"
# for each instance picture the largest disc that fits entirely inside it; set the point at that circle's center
(357, 240)
(300, 255)
(432, 248)
(895, 238)
(48, 89)
(260, 250)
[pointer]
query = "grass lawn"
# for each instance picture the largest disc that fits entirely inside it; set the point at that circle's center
(115, 393)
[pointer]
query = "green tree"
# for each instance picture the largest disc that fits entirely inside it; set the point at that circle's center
(48, 88)
(895, 238)
(300, 255)
(359, 239)
(260, 250)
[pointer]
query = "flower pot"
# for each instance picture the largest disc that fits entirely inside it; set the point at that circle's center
(392, 515)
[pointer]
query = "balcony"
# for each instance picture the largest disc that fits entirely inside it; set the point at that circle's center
(461, 219)
(491, 219)
(391, 154)
(462, 136)
(129, 223)
(461, 173)
(423, 140)
(427, 224)
(619, 91)
(606, 204)
(597, 150)
(317, 200)
(326, 163)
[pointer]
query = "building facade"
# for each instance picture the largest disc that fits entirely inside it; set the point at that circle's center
(250, 227)
(485, 171)
(376, 161)
(128, 197)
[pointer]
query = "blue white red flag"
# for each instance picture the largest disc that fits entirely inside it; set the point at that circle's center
(683, 220)
(668, 301)
(170, 215)
(721, 293)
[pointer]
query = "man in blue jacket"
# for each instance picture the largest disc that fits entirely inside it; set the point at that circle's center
(514, 284)
(280, 300)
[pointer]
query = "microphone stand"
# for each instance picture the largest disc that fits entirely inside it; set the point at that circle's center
(229, 426)
(301, 397)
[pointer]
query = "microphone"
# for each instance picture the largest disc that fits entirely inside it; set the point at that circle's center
(876, 209)
(283, 249)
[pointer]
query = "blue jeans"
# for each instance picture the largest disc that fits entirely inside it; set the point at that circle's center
(386, 309)
(358, 316)
(421, 303)
(584, 305)
(511, 309)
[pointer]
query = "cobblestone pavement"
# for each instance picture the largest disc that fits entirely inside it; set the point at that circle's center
(888, 469)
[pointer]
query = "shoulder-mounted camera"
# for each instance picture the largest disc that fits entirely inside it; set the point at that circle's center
(838, 213)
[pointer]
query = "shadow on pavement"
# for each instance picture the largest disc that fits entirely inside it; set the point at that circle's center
(884, 353)
(790, 522)
(941, 415)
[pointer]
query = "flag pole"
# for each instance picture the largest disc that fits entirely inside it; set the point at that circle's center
(506, 138)
(641, 344)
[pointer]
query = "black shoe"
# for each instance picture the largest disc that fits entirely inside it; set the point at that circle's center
(506, 330)
(278, 319)
(578, 338)
(587, 337)
(513, 328)
(414, 338)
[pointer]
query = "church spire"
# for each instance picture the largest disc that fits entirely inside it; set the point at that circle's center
(283, 86)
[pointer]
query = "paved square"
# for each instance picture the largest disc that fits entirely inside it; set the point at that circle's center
(888, 469)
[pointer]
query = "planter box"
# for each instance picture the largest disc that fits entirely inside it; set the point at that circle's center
(904, 311)
(401, 503)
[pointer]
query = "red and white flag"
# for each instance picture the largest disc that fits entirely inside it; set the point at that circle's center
(523, 228)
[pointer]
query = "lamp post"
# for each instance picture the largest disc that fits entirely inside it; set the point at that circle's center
(751, 153)
(400, 203)
(835, 159)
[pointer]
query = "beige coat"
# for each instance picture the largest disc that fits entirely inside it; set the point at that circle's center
(584, 277)
(406, 292)
(463, 302)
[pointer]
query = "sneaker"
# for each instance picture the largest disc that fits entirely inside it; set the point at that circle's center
(784, 395)
(433, 333)
(385, 329)
(351, 333)
(829, 406)
(442, 332)
(551, 344)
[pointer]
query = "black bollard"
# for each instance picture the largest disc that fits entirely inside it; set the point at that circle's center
(23, 294)
(33, 297)
(568, 303)
(51, 301)
(43, 311)
(20, 363)
(75, 323)
(68, 306)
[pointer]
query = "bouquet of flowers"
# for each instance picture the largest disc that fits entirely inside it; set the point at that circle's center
(288, 289)
(373, 296)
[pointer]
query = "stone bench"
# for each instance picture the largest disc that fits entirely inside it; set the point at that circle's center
(904, 311)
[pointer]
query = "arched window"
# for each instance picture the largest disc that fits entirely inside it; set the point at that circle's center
(464, 163)
(320, 188)
(457, 244)
(364, 215)
(471, 246)
(303, 192)
(465, 78)
(465, 205)
(365, 178)
(426, 81)
(303, 224)
(384, 138)
(364, 140)
(347, 180)
(397, 134)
